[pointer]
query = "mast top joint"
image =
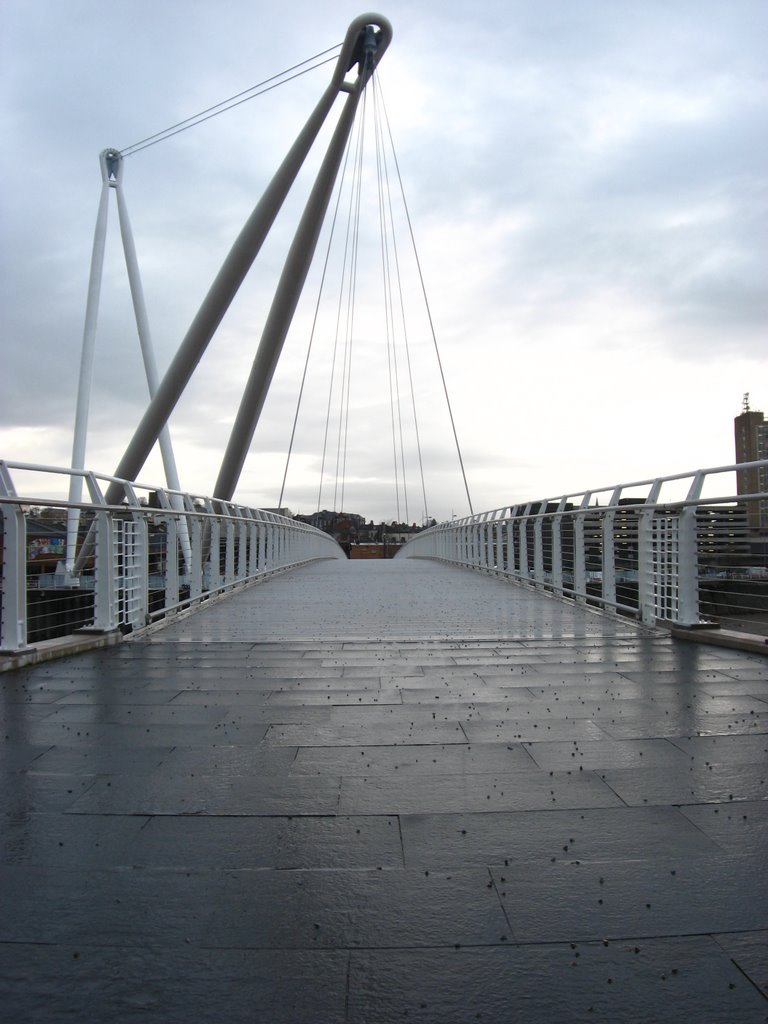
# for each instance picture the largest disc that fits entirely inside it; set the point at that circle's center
(368, 36)
(111, 161)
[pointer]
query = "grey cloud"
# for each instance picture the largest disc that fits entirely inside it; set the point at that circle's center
(505, 152)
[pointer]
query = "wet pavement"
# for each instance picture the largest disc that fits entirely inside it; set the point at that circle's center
(386, 791)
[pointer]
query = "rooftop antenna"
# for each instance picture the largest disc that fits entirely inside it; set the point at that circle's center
(745, 402)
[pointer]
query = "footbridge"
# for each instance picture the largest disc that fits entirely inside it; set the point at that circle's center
(298, 787)
(516, 773)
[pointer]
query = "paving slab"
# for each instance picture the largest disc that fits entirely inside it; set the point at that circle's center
(589, 755)
(221, 793)
(654, 980)
(427, 759)
(749, 952)
(303, 909)
(171, 985)
(285, 843)
(369, 792)
(714, 783)
(739, 828)
(376, 734)
(600, 834)
(525, 789)
(583, 900)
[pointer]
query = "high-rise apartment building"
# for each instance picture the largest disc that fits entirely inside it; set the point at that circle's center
(751, 436)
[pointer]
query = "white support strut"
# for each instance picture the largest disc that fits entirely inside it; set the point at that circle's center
(86, 363)
(111, 165)
(147, 349)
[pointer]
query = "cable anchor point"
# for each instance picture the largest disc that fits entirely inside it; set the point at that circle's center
(111, 161)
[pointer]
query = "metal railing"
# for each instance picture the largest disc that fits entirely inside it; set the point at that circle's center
(157, 553)
(665, 551)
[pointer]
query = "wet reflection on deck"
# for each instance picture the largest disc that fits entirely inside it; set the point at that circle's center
(386, 791)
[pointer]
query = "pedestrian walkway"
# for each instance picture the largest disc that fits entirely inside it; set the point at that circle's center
(387, 791)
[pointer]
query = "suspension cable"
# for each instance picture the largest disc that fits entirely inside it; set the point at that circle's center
(233, 101)
(429, 311)
(314, 328)
(341, 366)
(337, 332)
(394, 384)
(379, 101)
(351, 308)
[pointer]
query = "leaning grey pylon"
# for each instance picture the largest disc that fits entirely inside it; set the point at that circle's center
(373, 27)
(291, 282)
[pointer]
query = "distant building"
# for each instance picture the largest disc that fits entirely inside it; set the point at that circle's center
(344, 527)
(381, 540)
(751, 437)
(46, 542)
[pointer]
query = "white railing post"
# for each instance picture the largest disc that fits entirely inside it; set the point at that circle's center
(580, 551)
(579, 561)
(557, 546)
(647, 583)
(13, 622)
(242, 547)
(609, 549)
(196, 531)
(253, 548)
(525, 572)
(171, 524)
(538, 547)
(105, 582)
(269, 545)
(140, 576)
(212, 571)
(262, 546)
(688, 612)
(229, 551)
(510, 562)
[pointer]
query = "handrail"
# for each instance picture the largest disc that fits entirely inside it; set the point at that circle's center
(693, 474)
(136, 570)
(687, 561)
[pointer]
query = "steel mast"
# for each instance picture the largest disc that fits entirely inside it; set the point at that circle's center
(365, 42)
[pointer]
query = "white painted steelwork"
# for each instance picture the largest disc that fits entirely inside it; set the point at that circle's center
(111, 164)
(366, 40)
(685, 561)
(137, 570)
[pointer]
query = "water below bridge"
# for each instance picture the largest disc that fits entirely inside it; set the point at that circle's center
(384, 791)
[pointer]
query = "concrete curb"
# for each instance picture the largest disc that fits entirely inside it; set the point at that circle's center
(752, 642)
(62, 647)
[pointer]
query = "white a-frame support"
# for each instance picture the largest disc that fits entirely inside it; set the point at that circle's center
(111, 176)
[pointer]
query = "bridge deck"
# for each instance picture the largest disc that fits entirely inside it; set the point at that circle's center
(386, 791)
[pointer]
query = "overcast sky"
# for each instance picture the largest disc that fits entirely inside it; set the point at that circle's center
(587, 185)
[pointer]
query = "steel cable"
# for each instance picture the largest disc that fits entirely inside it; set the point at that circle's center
(233, 101)
(428, 310)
